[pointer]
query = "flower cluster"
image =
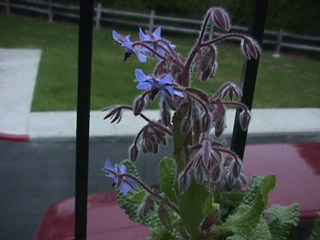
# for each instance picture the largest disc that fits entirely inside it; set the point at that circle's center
(203, 113)
(193, 118)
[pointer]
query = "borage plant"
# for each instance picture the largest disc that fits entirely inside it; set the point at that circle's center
(201, 192)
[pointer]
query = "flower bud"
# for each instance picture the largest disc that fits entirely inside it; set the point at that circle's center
(210, 220)
(243, 179)
(245, 117)
(155, 148)
(216, 174)
(162, 68)
(219, 127)
(229, 179)
(236, 168)
(231, 90)
(213, 70)
(250, 48)
(206, 74)
(237, 185)
(184, 182)
(165, 117)
(221, 18)
(115, 114)
(206, 122)
(149, 145)
(221, 184)
(186, 125)
(200, 173)
(143, 147)
(139, 105)
(133, 152)
(164, 216)
(146, 207)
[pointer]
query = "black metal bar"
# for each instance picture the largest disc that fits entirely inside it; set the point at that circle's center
(83, 113)
(249, 76)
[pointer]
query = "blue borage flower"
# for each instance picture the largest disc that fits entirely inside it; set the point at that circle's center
(128, 44)
(154, 36)
(163, 84)
(125, 184)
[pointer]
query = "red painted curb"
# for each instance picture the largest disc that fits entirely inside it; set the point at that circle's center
(13, 137)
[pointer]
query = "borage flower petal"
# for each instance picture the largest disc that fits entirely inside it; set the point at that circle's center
(128, 44)
(163, 85)
(145, 82)
(125, 184)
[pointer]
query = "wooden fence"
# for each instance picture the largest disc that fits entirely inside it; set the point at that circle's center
(103, 16)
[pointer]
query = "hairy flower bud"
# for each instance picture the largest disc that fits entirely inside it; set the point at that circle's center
(216, 174)
(219, 127)
(206, 74)
(186, 125)
(145, 207)
(200, 173)
(133, 152)
(230, 91)
(165, 117)
(184, 182)
(236, 167)
(237, 185)
(115, 113)
(250, 48)
(139, 105)
(164, 216)
(143, 147)
(162, 68)
(206, 122)
(210, 220)
(221, 18)
(229, 179)
(245, 118)
(243, 179)
(220, 185)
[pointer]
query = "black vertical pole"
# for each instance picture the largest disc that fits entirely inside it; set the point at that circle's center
(83, 113)
(249, 76)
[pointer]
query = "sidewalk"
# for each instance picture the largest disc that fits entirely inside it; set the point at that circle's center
(18, 70)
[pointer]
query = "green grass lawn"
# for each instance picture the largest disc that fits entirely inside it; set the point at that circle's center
(289, 81)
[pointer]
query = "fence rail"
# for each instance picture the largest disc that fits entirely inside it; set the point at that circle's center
(103, 16)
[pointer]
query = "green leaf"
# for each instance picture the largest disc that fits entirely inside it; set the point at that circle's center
(315, 234)
(259, 232)
(132, 169)
(193, 206)
(255, 186)
(163, 234)
(281, 220)
(167, 176)
(247, 217)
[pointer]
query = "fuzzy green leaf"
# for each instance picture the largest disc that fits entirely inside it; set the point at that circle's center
(193, 206)
(315, 234)
(167, 175)
(131, 168)
(255, 186)
(163, 234)
(259, 232)
(247, 217)
(282, 219)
